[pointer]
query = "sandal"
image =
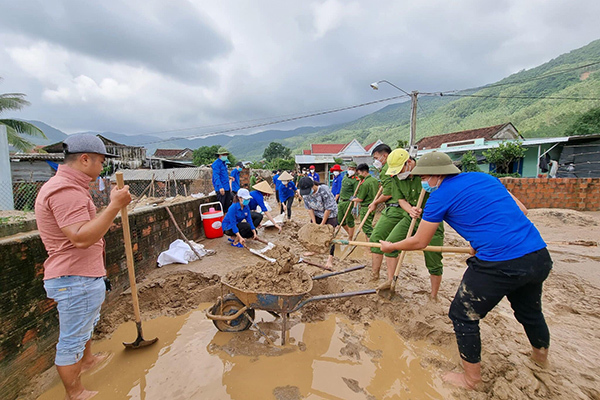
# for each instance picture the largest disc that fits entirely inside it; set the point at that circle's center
(241, 246)
(231, 240)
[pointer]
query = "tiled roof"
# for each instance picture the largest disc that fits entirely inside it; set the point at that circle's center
(167, 152)
(434, 142)
(329, 148)
(37, 156)
(306, 152)
(368, 147)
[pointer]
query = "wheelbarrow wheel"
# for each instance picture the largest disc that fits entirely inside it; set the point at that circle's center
(231, 305)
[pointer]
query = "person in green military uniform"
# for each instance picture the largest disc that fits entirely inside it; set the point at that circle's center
(409, 187)
(349, 184)
(365, 196)
(391, 215)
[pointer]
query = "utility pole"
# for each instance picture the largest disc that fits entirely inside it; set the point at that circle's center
(413, 123)
(6, 189)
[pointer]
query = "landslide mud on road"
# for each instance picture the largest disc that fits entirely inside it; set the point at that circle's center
(571, 305)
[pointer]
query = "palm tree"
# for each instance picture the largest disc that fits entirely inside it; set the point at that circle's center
(15, 128)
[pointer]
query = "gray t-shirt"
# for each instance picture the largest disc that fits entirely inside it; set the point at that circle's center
(320, 201)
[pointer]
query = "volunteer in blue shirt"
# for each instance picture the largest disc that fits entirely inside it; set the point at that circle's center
(336, 184)
(238, 222)
(313, 175)
(276, 183)
(261, 190)
(234, 177)
(511, 258)
(220, 178)
(287, 190)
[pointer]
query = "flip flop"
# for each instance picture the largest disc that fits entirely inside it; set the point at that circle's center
(231, 240)
(241, 246)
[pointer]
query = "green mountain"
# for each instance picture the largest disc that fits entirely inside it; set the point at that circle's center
(524, 98)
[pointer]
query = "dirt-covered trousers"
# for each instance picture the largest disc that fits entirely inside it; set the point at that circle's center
(485, 283)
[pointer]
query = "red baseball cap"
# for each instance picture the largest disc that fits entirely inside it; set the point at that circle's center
(311, 167)
(336, 167)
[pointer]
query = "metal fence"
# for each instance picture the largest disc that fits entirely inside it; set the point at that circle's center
(21, 195)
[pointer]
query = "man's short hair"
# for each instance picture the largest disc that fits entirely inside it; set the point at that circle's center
(362, 167)
(382, 148)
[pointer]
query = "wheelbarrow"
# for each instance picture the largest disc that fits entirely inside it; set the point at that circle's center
(235, 311)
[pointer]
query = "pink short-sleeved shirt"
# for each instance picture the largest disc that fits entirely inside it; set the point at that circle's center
(65, 200)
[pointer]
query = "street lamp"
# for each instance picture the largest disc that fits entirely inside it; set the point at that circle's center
(413, 113)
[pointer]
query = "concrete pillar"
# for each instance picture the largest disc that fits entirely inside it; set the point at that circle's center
(6, 191)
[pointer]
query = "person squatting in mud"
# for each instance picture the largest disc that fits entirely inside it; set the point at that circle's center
(74, 270)
(239, 223)
(511, 257)
(321, 206)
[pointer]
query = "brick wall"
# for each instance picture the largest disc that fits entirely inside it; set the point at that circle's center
(581, 194)
(29, 328)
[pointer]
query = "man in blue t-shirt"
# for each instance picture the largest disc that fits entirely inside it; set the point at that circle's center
(511, 258)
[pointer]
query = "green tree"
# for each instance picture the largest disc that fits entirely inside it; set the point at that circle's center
(276, 150)
(402, 144)
(587, 123)
(469, 162)
(15, 129)
(284, 164)
(205, 155)
(504, 155)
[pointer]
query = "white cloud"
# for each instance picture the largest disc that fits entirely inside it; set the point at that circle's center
(330, 14)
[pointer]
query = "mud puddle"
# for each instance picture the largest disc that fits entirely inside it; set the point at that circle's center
(330, 359)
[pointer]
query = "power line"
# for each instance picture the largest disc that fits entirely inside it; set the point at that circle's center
(514, 97)
(214, 133)
(526, 80)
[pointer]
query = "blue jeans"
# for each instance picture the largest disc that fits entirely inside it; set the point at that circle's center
(78, 299)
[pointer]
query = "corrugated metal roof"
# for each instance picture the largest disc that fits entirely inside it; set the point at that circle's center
(162, 174)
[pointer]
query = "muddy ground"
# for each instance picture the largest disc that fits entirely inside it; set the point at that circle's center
(571, 303)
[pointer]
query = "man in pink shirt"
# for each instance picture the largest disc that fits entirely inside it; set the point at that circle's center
(74, 271)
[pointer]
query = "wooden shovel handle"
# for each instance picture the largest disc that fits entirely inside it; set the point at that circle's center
(438, 249)
(129, 252)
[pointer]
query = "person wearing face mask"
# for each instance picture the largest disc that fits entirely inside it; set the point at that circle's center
(238, 222)
(409, 188)
(313, 175)
(365, 196)
(510, 257)
(349, 184)
(220, 178)
(235, 177)
(321, 207)
(336, 183)
(261, 190)
(287, 190)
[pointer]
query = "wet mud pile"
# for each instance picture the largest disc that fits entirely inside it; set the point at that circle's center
(265, 277)
(316, 238)
(285, 259)
(173, 294)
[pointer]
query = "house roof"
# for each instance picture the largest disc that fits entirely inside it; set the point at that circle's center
(368, 147)
(167, 152)
(306, 152)
(180, 174)
(37, 156)
(328, 148)
(434, 142)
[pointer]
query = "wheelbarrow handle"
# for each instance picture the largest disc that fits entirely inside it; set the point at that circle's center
(331, 296)
(323, 276)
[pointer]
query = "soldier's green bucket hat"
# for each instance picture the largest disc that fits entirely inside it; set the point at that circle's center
(435, 163)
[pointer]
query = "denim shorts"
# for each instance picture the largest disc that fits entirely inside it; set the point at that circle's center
(78, 299)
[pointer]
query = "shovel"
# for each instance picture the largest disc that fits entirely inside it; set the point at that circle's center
(302, 260)
(140, 341)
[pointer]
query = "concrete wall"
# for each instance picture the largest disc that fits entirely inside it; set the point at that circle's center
(577, 194)
(29, 328)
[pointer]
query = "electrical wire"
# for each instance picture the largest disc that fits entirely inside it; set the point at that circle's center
(314, 114)
(515, 96)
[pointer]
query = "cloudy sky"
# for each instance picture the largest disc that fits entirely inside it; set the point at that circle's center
(143, 66)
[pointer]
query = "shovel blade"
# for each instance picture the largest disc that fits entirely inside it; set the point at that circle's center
(139, 343)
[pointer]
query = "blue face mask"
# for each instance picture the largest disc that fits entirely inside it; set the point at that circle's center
(246, 202)
(428, 188)
(224, 158)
